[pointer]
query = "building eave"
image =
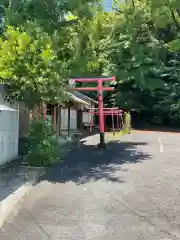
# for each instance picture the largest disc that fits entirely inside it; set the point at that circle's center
(81, 98)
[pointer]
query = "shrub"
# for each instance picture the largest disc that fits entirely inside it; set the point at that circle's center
(41, 146)
(127, 122)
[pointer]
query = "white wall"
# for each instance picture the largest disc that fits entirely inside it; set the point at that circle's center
(87, 118)
(9, 133)
(64, 119)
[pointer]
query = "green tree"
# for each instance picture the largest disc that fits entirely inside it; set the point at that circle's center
(30, 67)
(40, 51)
(49, 14)
(143, 48)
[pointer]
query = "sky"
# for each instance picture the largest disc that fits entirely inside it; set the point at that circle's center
(107, 5)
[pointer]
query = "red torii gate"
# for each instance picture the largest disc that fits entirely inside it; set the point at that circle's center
(99, 88)
(108, 112)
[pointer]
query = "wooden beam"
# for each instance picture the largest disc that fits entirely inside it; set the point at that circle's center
(69, 120)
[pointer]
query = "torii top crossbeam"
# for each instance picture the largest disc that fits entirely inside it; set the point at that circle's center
(117, 112)
(116, 108)
(87, 80)
(113, 112)
(106, 111)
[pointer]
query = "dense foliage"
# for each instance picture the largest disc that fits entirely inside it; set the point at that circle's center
(140, 45)
(144, 55)
(38, 47)
(30, 67)
(139, 42)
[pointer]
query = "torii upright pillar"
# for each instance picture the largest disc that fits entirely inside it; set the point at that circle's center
(100, 89)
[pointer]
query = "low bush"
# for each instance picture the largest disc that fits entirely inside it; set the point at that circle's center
(40, 146)
(127, 122)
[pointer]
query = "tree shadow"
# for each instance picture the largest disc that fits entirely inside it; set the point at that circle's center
(87, 163)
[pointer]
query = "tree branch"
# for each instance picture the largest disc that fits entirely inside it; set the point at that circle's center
(117, 10)
(173, 15)
(178, 12)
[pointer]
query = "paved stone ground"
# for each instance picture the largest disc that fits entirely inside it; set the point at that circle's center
(15, 182)
(131, 192)
(13, 176)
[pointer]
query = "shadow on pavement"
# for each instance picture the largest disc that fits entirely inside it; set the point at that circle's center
(88, 163)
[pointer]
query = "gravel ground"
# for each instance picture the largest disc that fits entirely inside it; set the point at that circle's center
(129, 192)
